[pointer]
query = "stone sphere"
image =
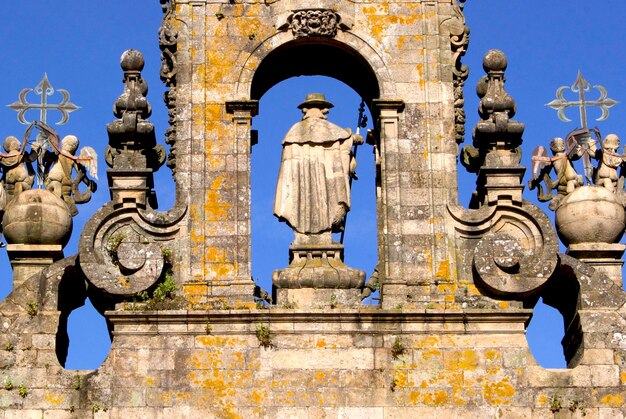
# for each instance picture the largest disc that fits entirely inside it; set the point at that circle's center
(132, 60)
(590, 214)
(494, 60)
(37, 216)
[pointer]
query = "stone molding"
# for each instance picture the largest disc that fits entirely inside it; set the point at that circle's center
(340, 321)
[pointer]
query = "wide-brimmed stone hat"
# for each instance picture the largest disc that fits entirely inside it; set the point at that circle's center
(315, 100)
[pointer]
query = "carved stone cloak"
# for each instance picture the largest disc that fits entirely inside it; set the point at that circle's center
(313, 177)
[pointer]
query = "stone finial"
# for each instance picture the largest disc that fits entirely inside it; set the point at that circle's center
(133, 152)
(497, 138)
(132, 143)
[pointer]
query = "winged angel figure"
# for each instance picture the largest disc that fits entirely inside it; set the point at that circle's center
(57, 163)
(577, 144)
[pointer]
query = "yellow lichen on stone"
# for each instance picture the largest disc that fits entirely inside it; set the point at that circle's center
(493, 361)
(53, 398)
(498, 393)
(443, 272)
(613, 400)
(460, 360)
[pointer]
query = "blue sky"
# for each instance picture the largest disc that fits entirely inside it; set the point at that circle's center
(78, 43)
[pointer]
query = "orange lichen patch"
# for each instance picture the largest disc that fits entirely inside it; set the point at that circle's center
(319, 376)
(622, 377)
(493, 361)
(53, 398)
(380, 25)
(498, 393)
(431, 398)
(215, 208)
(426, 342)
(148, 381)
(460, 360)
(257, 397)
(214, 112)
(401, 379)
(321, 343)
(195, 292)
(503, 304)
(443, 272)
(613, 400)
(217, 341)
(197, 115)
(196, 238)
(376, 9)
(123, 282)
(431, 353)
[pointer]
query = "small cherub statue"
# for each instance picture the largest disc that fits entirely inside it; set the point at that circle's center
(567, 179)
(60, 162)
(18, 174)
(609, 162)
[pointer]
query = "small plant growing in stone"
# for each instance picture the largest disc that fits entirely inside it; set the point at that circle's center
(397, 348)
(166, 289)
(77, 383)
(72, 409)
(288, 305)
(264, 336)
(9, 347)
(95, 408)
(167, 254)
(114, 242)
(393, 385)
(577, 405)
(8, 385)
(555, 403)
(333, 301)
(208, 328)
(22, 391)
(32, 309)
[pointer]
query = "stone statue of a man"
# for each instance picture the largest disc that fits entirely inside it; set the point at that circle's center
(313, 190)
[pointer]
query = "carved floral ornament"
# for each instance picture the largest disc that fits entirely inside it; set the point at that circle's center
(314, 22)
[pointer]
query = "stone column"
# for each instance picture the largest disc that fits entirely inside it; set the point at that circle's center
(390, 237)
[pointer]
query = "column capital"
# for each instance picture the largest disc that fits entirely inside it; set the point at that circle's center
(243, 108)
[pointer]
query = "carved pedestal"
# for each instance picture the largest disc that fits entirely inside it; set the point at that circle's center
(606, 257)
(317, 276)
(30, 259)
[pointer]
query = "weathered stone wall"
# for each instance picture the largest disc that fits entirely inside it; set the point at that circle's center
(448, 339)
(221, 46)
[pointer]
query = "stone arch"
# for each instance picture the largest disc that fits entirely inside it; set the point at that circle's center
(268, 65)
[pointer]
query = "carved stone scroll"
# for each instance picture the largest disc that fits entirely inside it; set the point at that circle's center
(314, 22)
(168, 42)
(459, 41)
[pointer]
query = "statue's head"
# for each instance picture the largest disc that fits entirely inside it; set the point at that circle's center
(11, 143)
(557, 145)
(315, 105)
(69, 143)
(611, 141)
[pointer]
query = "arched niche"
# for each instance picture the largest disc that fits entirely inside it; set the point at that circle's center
(325, 57)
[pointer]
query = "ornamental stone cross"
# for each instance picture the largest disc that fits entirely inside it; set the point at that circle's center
(560, 104)
(581, 86)
(44, 89)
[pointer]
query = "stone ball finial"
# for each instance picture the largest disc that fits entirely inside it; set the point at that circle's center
(494, 61)
(132, 60)
(37, 216)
